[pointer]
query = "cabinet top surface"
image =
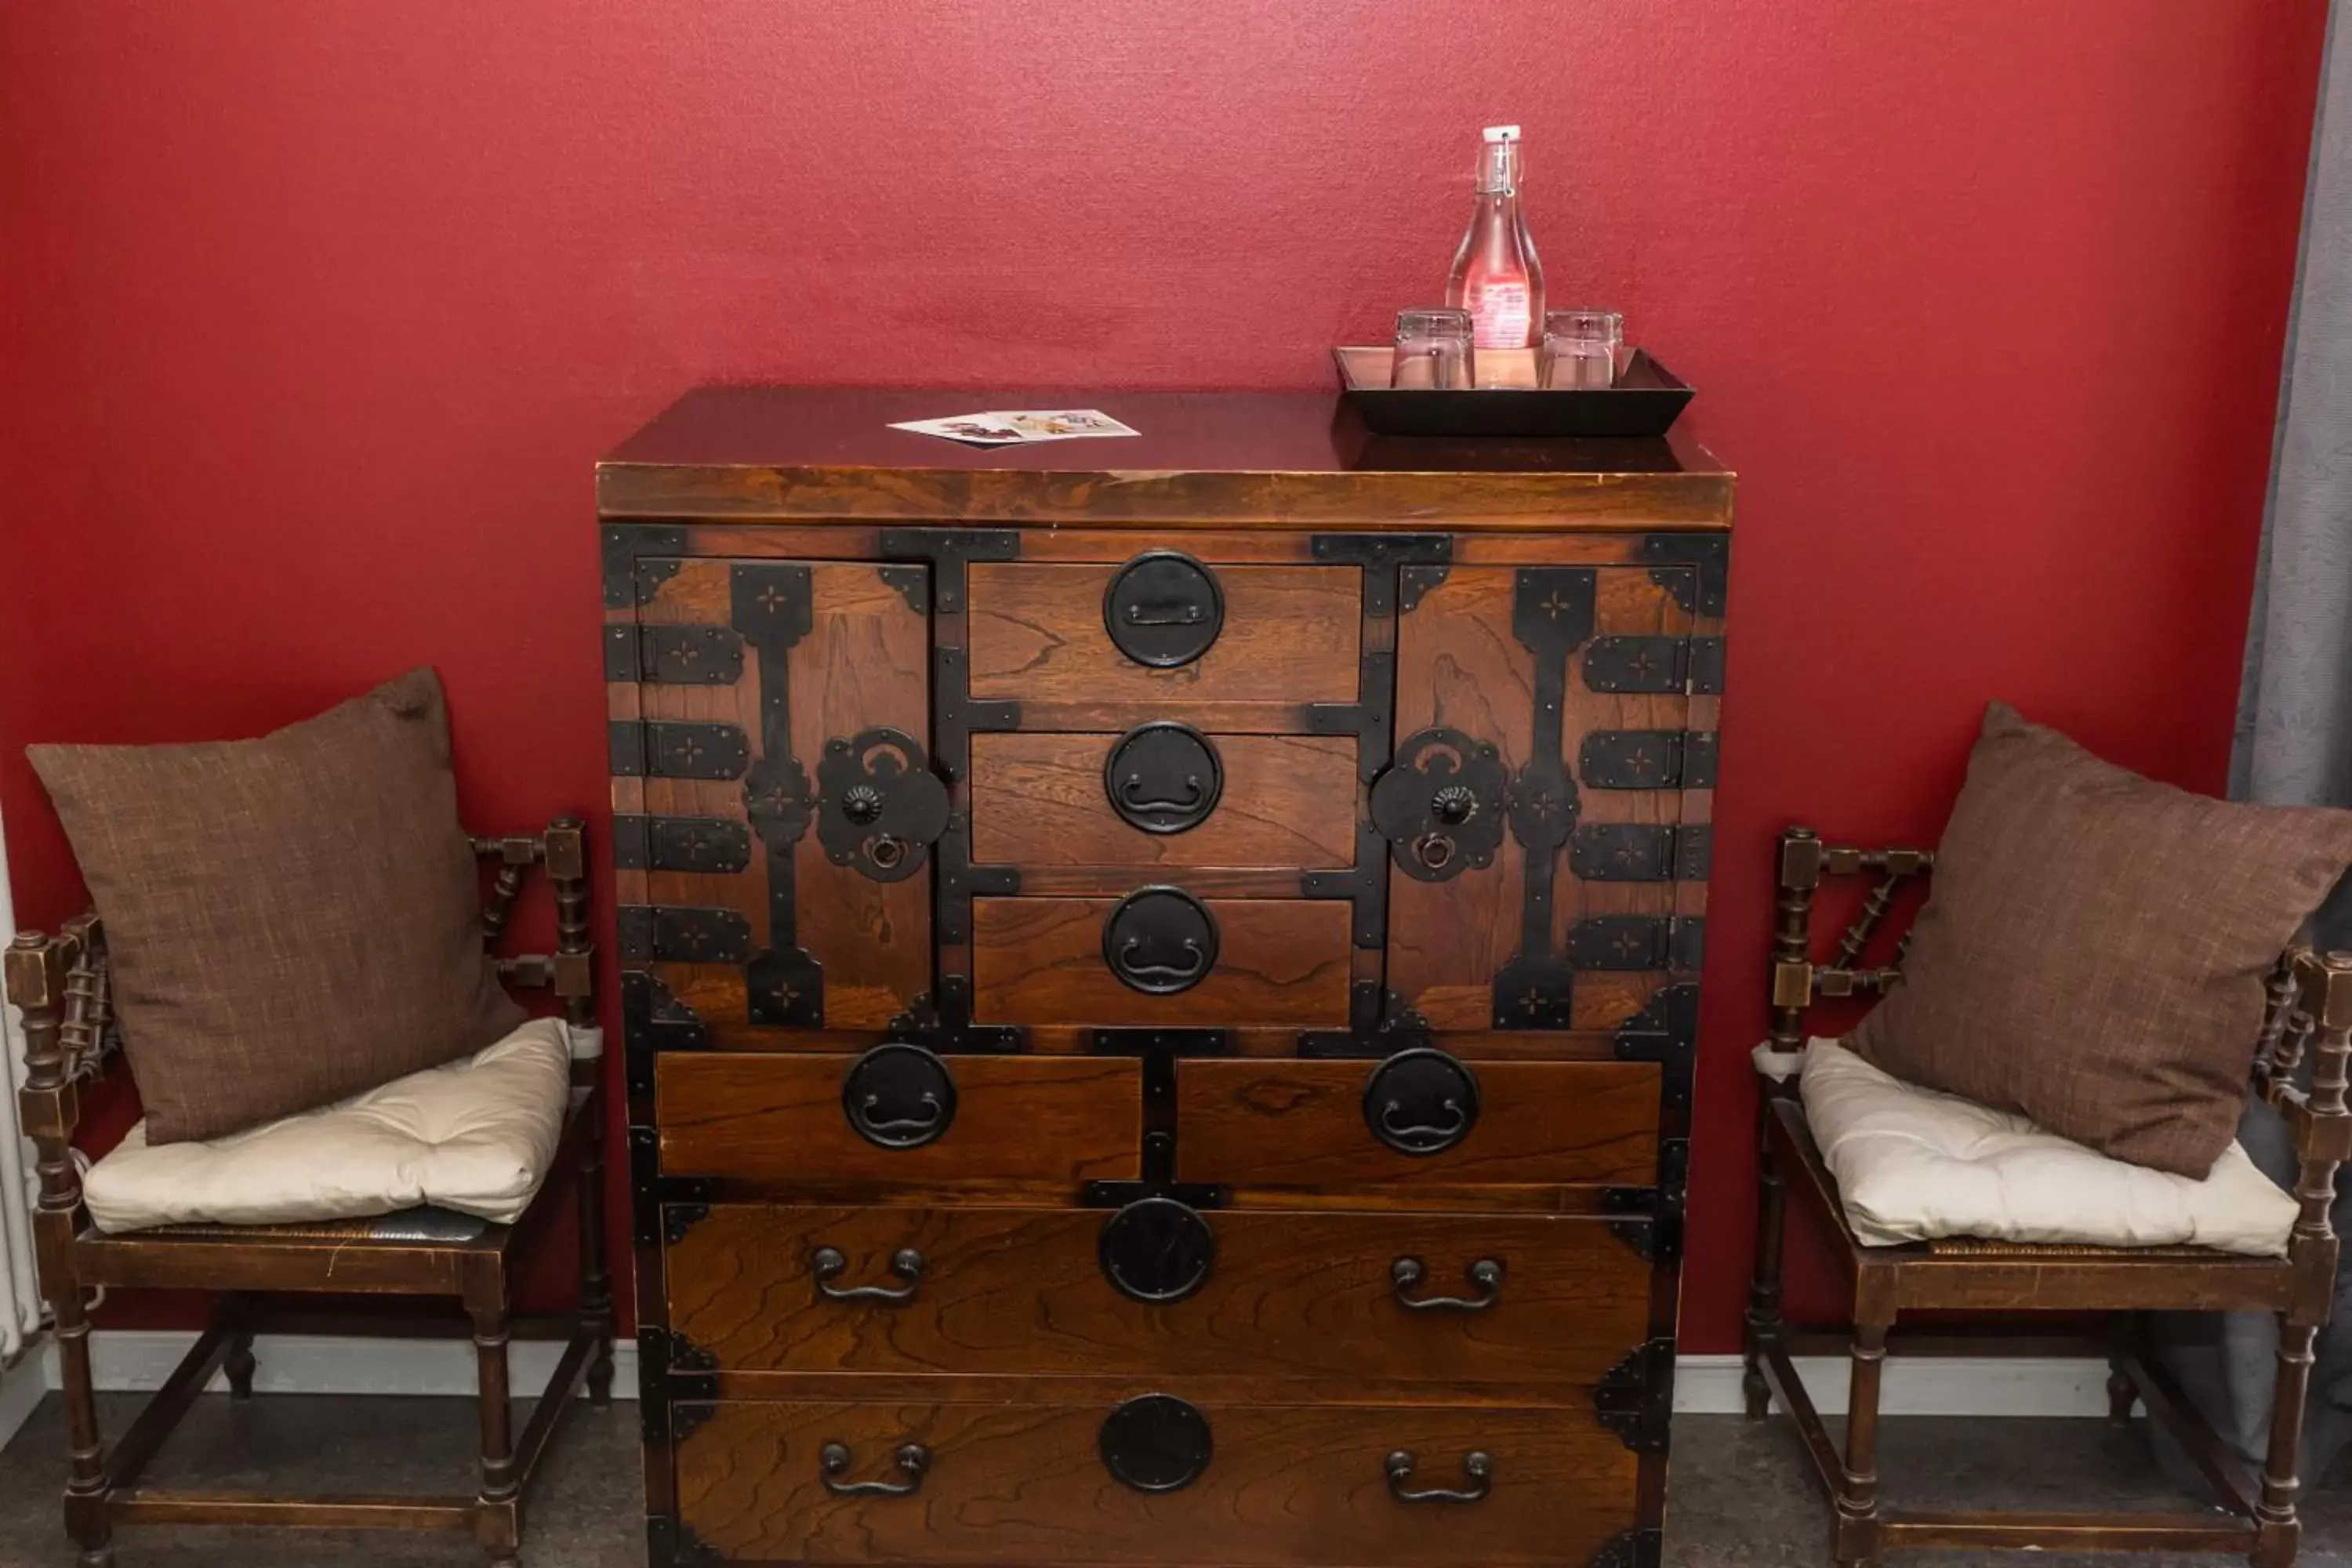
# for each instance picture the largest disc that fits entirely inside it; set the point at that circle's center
(747, 451)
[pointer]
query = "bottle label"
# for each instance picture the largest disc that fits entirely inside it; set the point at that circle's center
(1499, 315)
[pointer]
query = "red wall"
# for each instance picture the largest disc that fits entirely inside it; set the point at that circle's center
(315, 313)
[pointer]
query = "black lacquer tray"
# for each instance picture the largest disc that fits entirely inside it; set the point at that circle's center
(1645, 401)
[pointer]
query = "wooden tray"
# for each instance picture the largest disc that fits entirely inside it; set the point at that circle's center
(1646, 400)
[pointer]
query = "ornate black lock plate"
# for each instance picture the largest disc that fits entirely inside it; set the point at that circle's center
(1421, 1101)
(1163, 609)
(1157, 1250)
(880, 805)
(1160, 940)
(898, 1096)
(1155, 1443)
(1442, 805)
(1163, 777)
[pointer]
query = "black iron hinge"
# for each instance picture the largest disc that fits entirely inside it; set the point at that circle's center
(1654, 664)
(678, 935)
(1641, 852)
(1637, 941)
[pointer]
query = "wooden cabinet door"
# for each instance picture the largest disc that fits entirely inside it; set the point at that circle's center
(1548, 800)
(774, 803)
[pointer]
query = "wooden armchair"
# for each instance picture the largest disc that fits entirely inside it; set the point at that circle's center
(61, 984)
(2309, 1010)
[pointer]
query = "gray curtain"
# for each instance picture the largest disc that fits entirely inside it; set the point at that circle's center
(2294, 748)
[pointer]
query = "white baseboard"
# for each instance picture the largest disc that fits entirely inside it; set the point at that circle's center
(1916, 1385)
(21, 1388)
(1704, 1384)
(132, 1360)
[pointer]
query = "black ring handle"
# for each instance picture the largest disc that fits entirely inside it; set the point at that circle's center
(1486, 1276)
(912, 1459)
(1156, 1250)
(1421, 1101)
(1160, 940)
(1163, 609)
(1478, 1465)
(1163, 777)
(828, 1264)
(898, 1096)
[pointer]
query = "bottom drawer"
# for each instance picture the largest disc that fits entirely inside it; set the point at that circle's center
(1150, 1480)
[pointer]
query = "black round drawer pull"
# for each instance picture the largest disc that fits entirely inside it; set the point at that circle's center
(1478, 1464)
(1163, 777)
(898, 1096)
(828, 1265)
(1156, 1250)
(1163, 609)
(1160, 940)
(1155, 1443)
(1486, 1278)
(1421, 1101)
(912, 1459)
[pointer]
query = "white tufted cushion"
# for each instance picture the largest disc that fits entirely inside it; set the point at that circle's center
(1913, 1164)
(475, 1135)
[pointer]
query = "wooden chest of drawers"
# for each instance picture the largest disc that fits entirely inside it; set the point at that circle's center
(1162, 979)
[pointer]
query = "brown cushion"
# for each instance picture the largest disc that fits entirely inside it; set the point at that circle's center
(289, 919)
(2093, 948)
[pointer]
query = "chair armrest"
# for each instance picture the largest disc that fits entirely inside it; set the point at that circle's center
(59, 984)
(561, 852)
(2311, 1012)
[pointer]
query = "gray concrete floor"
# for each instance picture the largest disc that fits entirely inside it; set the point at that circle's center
(1740, 1495)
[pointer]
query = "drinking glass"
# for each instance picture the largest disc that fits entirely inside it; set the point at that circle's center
(1432, 350)
(1580, 348)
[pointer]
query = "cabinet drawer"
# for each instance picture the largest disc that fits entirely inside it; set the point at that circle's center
(1042, 633)
(1268, 1122)
(1257, 1294)
(1163, 796)
(898, 1114)
(1160, 957)
(1244, 1485)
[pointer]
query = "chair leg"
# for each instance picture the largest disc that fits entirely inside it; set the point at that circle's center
(595, 1278)
(1857, 1496)
(2279, 1528)
(1763, 1324)
(239, 1367)
(499, 1516)
(87, 1521)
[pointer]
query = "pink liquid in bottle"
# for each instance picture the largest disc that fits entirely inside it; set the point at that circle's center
(1496, 275)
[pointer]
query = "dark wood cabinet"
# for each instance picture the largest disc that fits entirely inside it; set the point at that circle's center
(1160, 980)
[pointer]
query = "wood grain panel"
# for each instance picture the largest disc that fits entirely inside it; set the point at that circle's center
(1279, 961)
(1013, 1290)
(863, 664)
(1459, 666)
(1290, 634)
(1301, 1123)
(1025, 1483)
(1073, 1118)
(1040, 800)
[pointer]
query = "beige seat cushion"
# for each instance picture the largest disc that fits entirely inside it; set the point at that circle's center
(1914, 1164)
(475, 1135)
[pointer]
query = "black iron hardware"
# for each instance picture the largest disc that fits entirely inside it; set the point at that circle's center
(1421, 1101)
(1647, 759)
(879, 807)
(674, 655)
(679, 843)
(1694, 568)
(1163, 777)
(1160, 940)
(1631, 1549)
(1477, 1466)
(1383, 557)
(1155, 1443)
(1441, 806)
(679, 1220)
(949, 551)
(682, 935)
(1634, 1397)
(1640, 852)
(1163, 609)
(1636, 942)
(898, 1096)
(912, 1460)
(1157, 1250)
(1656, 664)
(663, 750)
(1486, 1278)
(827, 1264)
(638, 559)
